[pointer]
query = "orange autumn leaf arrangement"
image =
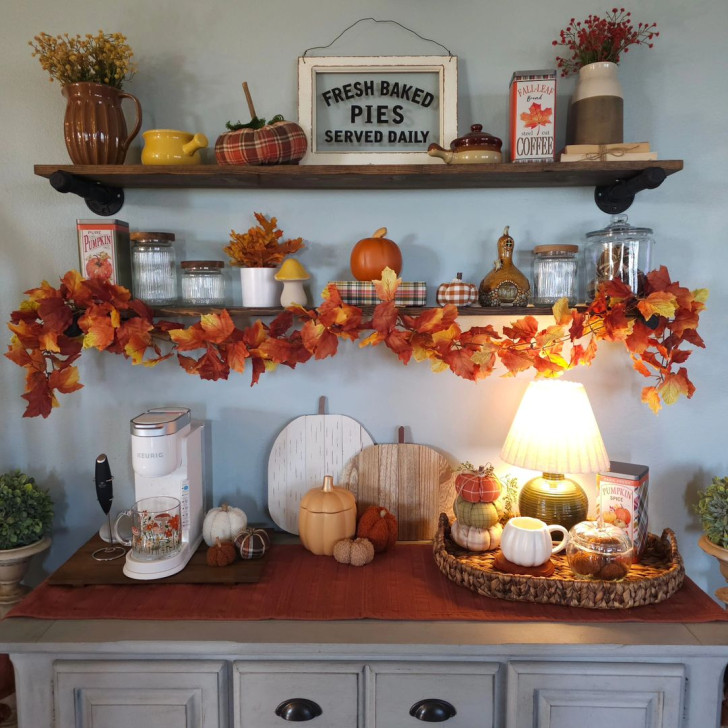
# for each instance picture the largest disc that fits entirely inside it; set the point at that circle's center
(53, 326)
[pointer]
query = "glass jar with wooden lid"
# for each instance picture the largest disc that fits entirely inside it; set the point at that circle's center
(554, 274)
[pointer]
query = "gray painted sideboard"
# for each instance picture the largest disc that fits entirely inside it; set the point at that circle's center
(366, 674)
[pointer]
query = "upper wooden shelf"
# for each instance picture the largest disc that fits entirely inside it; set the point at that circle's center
(363, 177)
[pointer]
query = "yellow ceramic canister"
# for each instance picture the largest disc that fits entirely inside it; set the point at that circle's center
(169, 146)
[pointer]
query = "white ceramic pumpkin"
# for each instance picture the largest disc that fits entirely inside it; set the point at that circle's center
(224, 523)
(476, 539)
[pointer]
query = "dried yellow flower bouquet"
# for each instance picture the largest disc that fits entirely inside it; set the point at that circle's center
(102, 58)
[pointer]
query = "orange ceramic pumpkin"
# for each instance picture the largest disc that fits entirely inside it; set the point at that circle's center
(379, 526)
(370, 256)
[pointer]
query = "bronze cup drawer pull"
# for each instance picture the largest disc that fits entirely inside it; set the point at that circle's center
(298, 709)
(432, 710)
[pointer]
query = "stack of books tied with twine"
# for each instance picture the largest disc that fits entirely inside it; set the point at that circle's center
(619, 152)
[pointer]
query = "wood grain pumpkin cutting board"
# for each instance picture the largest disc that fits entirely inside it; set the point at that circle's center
(411, 481)
(305, 450)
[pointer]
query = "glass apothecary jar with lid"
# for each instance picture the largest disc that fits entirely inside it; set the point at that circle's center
(554, 274)
(619, 251)
(153, 266)
(203, 283)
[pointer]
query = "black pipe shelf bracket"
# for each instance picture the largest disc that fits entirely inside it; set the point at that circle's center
(100, 199)
(616, 198)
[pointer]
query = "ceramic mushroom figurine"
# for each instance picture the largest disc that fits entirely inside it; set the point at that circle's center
(292, 274)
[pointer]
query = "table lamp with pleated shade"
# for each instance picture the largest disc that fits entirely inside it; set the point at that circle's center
(555, 431)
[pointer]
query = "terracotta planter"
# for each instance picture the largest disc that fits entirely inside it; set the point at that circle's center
(596, 110)
(13, 566)
(94, 126)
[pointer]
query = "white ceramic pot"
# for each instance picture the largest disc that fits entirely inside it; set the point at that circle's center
(13, 567)
(597, 108)
(260, 288)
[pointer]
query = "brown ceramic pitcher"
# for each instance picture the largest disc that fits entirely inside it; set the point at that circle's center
(94, 124)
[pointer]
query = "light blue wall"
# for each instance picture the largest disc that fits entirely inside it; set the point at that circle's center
(192, 59)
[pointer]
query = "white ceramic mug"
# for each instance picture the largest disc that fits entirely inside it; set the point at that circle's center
(527, 541)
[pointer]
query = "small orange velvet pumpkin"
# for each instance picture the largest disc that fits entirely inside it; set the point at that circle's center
(370, 256)
(379, 526)
(221, 553)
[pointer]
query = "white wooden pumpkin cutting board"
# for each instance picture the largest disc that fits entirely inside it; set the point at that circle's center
(305, 450)
(411, 481)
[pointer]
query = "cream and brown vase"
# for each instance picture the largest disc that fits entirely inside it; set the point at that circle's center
(596, 109)
(94, 126)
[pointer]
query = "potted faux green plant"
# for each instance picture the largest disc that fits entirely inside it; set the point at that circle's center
(712, 507)
(26, 515)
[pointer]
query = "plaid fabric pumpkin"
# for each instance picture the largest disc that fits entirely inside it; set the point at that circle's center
(252, 543)
(456, 292)
(282, 142)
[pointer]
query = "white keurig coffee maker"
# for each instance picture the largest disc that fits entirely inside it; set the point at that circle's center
(167, 458)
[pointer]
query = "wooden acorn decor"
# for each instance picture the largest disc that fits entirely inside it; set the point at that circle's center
(505, 285)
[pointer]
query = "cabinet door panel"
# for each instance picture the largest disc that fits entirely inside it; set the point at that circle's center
(162, 693)
(468, 688)
(598, 695)
(260, 687)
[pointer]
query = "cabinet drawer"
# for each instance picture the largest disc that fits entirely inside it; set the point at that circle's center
(261, 687)
(598, 695)
(119, 694)
(469, 688)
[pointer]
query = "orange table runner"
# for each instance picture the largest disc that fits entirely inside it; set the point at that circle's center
(404, 584)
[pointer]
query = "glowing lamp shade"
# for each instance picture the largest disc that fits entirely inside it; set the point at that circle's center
(555, 431)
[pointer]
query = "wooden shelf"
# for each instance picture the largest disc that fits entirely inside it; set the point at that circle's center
(362, 177)
(512, 311)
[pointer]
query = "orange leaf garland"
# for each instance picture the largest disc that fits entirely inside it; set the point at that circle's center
(53, 326)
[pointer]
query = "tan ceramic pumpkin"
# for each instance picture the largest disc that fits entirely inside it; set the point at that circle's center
(326, 515)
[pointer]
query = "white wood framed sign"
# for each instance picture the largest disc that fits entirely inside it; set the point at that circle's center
(377, 109)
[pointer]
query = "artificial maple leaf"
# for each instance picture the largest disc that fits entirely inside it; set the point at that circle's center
(399, 342)
(550, 336)
(651, 398)
(675, 385)
(211, 367)
(639, 338)
(693, 337)
(684, 320)
(536, 116)
(99, 324)
(39, 396)
(660, 303)
(280, 324)
(616, 324)
(658, 280)
(387, 286)
(385, 317)
(319, 340)
(514, 361)
(433, 319)
(522, 330)
(65, 380)
(639, 366)
(190, 338)
(217, 326)
(462, 364)
(56, 315)
(563, 313)
(236, 354)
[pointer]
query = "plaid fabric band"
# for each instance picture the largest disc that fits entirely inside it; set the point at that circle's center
(281, 143)
(363, 293)
(460, 294)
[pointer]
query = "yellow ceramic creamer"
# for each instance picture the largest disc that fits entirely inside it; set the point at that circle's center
(169, 146)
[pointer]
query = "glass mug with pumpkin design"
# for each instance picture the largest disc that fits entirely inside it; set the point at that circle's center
(156, 528)
(527, 541)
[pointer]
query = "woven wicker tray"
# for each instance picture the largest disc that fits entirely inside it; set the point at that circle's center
(658, 576)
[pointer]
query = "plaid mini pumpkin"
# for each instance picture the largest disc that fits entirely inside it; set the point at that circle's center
(456, 292)
(252, 543)
(282, 142)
